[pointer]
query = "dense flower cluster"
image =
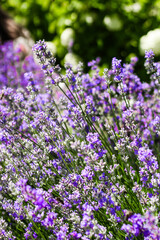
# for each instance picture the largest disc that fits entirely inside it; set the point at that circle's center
(80, 153)
(13, 67)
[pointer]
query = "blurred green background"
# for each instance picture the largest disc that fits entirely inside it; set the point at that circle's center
(84, 30)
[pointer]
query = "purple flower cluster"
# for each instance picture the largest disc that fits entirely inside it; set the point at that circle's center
(80, 152)
(13, 67)
(144, 226)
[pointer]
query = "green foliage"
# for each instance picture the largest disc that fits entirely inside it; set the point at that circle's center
(100, 28)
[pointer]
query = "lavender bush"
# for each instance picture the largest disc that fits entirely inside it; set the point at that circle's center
(80, 153)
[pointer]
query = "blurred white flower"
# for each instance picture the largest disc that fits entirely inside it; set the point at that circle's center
(68, 22)
(67, 37)
(113, 23)
(72, 59)
(136, 7)
(52, 47)
(150, 41)
(89, 19)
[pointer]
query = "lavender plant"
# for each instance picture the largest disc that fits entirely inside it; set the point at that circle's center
(13, 66)
(80, 154)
